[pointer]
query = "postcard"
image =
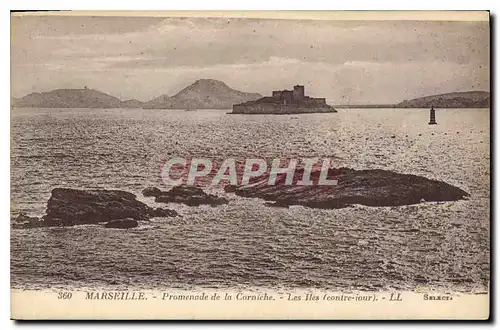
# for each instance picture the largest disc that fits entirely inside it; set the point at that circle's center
(250, 165)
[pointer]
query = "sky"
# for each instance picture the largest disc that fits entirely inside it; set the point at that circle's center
(348, 62)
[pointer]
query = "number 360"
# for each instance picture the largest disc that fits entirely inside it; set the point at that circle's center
(64, 295)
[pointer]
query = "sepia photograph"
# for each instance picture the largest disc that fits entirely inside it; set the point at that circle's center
(250, 165)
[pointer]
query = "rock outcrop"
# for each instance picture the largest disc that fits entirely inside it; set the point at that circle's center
(366, 187)
(69, 207)
(73, 206)
(188, 195)
(151, 192)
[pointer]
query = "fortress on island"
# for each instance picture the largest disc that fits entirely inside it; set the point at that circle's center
(284, 102)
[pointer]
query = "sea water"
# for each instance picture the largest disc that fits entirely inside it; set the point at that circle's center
(245, 243)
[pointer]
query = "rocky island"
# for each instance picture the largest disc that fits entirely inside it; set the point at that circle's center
(73, 98)
(366, 187)
(121, 209)
(284, 102)
(70, 207)
(472, 99)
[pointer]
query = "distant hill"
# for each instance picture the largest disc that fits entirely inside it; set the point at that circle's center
(68, 98)
(475, 99)
(133, 104)
(203, 94)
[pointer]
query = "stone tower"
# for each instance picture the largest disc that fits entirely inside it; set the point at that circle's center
(298, 92)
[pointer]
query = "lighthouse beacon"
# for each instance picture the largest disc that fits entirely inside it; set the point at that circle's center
(432, 120)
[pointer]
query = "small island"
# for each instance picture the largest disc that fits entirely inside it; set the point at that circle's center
(372, 187)
(284, 102)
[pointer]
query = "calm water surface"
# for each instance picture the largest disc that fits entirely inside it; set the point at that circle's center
(245, 244)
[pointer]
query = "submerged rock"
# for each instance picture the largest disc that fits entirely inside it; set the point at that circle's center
(151, 192)
(24, 221)
(69, 207)
(188, 195)
(21, 218)
(122, 223)
(159, 212)
(366, 187)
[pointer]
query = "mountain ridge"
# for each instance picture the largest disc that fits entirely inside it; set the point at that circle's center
(215, 94)
(202, 94)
